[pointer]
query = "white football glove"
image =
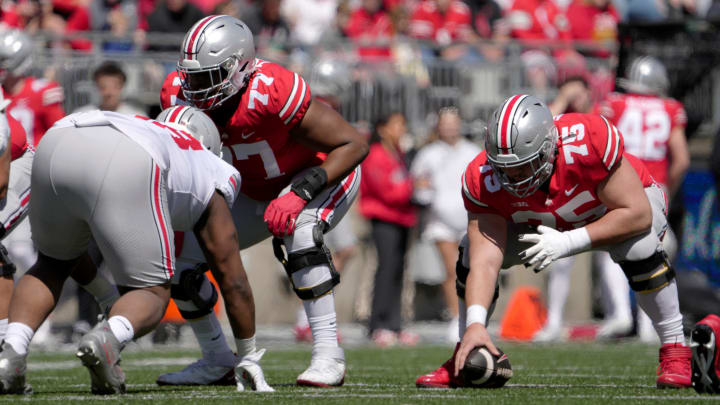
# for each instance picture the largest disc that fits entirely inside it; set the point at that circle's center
(249, 375)
(550, 245)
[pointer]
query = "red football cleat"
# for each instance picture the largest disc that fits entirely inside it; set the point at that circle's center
(443, 377)
(705, 355)
(674, 369)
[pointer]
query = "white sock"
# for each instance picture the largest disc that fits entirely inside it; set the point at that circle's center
(19, 336)
(301, 320)
(3, 328)
(462, 317)
(664, 310)
(121, 328)
(323, 320)
(616, 290)
(245, 346)
(558, 287)
(104, 291)
(210, 336)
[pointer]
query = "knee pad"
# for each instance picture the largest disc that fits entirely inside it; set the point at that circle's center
(462, 273)
(648, 275)
(194, 286)
(8, 267)
(314, 256)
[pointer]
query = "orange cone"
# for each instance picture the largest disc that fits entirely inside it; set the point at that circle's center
(524, 316)
(172, 314)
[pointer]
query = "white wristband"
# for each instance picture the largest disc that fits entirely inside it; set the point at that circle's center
(475, 314)
(578, 241)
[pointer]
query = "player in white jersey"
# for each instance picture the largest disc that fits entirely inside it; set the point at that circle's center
(138, 181)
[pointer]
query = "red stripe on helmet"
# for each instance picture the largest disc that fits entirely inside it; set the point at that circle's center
(196, 33)
(505, 121)
(176, 112)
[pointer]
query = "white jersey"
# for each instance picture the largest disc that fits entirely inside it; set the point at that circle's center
(443, 164)
(193, 173)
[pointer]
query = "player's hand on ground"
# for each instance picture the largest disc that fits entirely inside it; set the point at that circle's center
(476, 335)
(282, 213)
(249, 374)
(549, 245)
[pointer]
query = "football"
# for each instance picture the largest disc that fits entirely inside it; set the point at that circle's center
(485, 370)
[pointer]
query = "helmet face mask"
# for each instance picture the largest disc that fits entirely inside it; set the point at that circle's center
(218, 58)
(521, 143)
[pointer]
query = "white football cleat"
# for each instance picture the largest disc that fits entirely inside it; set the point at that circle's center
(201, 372)
(327, 368)
(613, 328)
(548, 334)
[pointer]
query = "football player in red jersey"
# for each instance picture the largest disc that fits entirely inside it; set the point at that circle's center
(571, 178)
(14, 201)
(653, 127)
(36, 103)
(276, 137)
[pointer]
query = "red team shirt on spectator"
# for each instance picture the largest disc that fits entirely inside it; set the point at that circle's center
(257, 135)
(646, 123)
(538, 20)
(427, 22)
(377, 27)
(37, 106)
(589, 148)
(591, 23)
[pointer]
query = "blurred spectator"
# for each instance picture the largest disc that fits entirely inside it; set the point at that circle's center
(334, 36)
(371, 29)
(447, 23)
(309, 18)
(488, 23)
(206, 6)
(270, 30)
(534, 21)
(593, 20)
(109, 81)
(437, 170)
(385, 194)
(173, 16)
(715, 165)
(117, 17)
(38, 15)
(9, 17)
(573, 96)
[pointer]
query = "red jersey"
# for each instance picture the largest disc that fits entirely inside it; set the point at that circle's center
(427, 22)
(37, 106)
(375, 27)
(18, 139)
(257, 137)
(386, 188)
(589, 23)
(645, 122)
(538, 20)
(589, 147)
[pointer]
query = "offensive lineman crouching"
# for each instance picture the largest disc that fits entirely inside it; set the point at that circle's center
(137, 182)
(586, 194)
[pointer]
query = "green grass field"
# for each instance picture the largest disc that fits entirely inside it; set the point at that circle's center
(556, 374)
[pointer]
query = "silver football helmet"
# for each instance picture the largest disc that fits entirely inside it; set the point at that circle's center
(646, 75)
(196, 122)
(521, 143)
(16, 50)
(330, 78)
(217, 58)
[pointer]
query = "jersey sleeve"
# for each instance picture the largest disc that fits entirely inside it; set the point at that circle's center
(171, 91)
(474, 194)
(230, 187)
(289, 95)
(607, 142)
(18, 138)
(51, 100)
(678, 117)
